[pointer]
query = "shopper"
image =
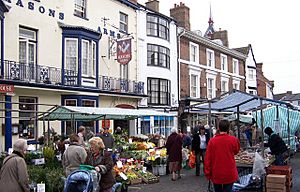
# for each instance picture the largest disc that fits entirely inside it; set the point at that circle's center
(174, 151)
(199, 145)
(81, 134)
(103, 163)
(277, 146)
(73, 156)
(13, 174)
(107, 138)
(186, 140)
(220, 165)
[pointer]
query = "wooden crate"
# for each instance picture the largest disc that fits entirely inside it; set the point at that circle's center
(279, 179)
(144, 179)
(280, 170)
(136, 181)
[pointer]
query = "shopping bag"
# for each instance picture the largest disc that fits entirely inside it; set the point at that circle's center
(192, 160)
(259, 165)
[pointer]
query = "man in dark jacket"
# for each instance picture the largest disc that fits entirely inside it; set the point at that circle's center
(196, 146)
(277, 146)
(107, 139)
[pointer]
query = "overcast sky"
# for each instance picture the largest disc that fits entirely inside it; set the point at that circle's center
(271, 27)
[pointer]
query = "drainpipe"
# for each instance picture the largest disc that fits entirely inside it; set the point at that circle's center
(179, 35)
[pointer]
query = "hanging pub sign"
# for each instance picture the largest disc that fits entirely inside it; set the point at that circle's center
(124, 51)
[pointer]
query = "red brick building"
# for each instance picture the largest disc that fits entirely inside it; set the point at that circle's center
(264, 85)
(208, 67)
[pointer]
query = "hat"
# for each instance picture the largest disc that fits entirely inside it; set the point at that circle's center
(268, 131)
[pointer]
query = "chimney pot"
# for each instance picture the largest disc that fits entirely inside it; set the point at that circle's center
(181, 14)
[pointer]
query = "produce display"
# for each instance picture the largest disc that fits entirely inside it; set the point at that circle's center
(245, 157)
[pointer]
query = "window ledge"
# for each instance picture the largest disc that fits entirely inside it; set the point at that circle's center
(81, 17)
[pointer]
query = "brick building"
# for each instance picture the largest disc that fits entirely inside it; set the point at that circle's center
(264, 85)
(208, 67)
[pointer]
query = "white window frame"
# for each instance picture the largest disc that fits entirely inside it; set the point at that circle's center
(226, 88)
(194, 87)
(224, 62)
(86, 73)
(80, 9)
(251, 74)
(29, 41)
(196, 49)
(237, 83)
(125, 23)
(91, 58)
(210, 58)
(235, 66)
(68, 67)
(213, 88)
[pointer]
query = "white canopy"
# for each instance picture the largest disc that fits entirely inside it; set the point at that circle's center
(67, 113)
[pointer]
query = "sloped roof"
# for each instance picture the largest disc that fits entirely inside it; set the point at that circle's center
(244, 50)
(279, 96)
(244, 101)
(293, 97)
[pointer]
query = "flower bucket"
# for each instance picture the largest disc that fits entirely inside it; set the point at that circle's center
(155, 170)
(162, 170)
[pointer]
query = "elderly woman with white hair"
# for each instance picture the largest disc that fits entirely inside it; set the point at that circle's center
(174, 150)
(13, 175)
(103, 163)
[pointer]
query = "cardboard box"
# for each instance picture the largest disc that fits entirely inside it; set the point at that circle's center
(272, 178)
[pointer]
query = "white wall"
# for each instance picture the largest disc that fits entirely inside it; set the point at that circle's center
(50, 34)
(158, 72)
(250, 82)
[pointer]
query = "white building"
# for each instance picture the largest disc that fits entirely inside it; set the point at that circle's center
(157, 42)
(250, 69)
(63, 52)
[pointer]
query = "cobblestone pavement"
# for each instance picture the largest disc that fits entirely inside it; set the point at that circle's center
(191, 183)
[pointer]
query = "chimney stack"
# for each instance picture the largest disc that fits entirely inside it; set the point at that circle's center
(181, 14)
(222, 35)
(153, 5)
(134, 1)
(259, 67)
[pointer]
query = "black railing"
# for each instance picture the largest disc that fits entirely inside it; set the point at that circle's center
(120, 85)
(32, 73)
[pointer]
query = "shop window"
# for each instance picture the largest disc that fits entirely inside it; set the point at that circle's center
(27, 117)
(89, 124)
(69, 127)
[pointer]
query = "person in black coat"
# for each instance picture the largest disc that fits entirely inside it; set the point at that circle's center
(199, 144)
(277, 146)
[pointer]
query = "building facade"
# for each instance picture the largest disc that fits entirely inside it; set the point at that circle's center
(264, 85)
(250, 70)
(65, 53)
(157, 45)
(208, 68)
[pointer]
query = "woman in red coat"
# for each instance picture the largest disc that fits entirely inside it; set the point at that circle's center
(220, 165)
(174, 151)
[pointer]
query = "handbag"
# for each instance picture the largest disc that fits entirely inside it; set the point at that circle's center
(192, 160)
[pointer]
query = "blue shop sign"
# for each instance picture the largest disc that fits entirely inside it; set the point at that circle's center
(40, 8)
(109, 32)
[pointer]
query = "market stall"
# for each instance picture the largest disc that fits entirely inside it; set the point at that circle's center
(238, 102)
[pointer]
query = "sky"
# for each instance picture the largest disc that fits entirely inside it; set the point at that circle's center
(270, 26)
